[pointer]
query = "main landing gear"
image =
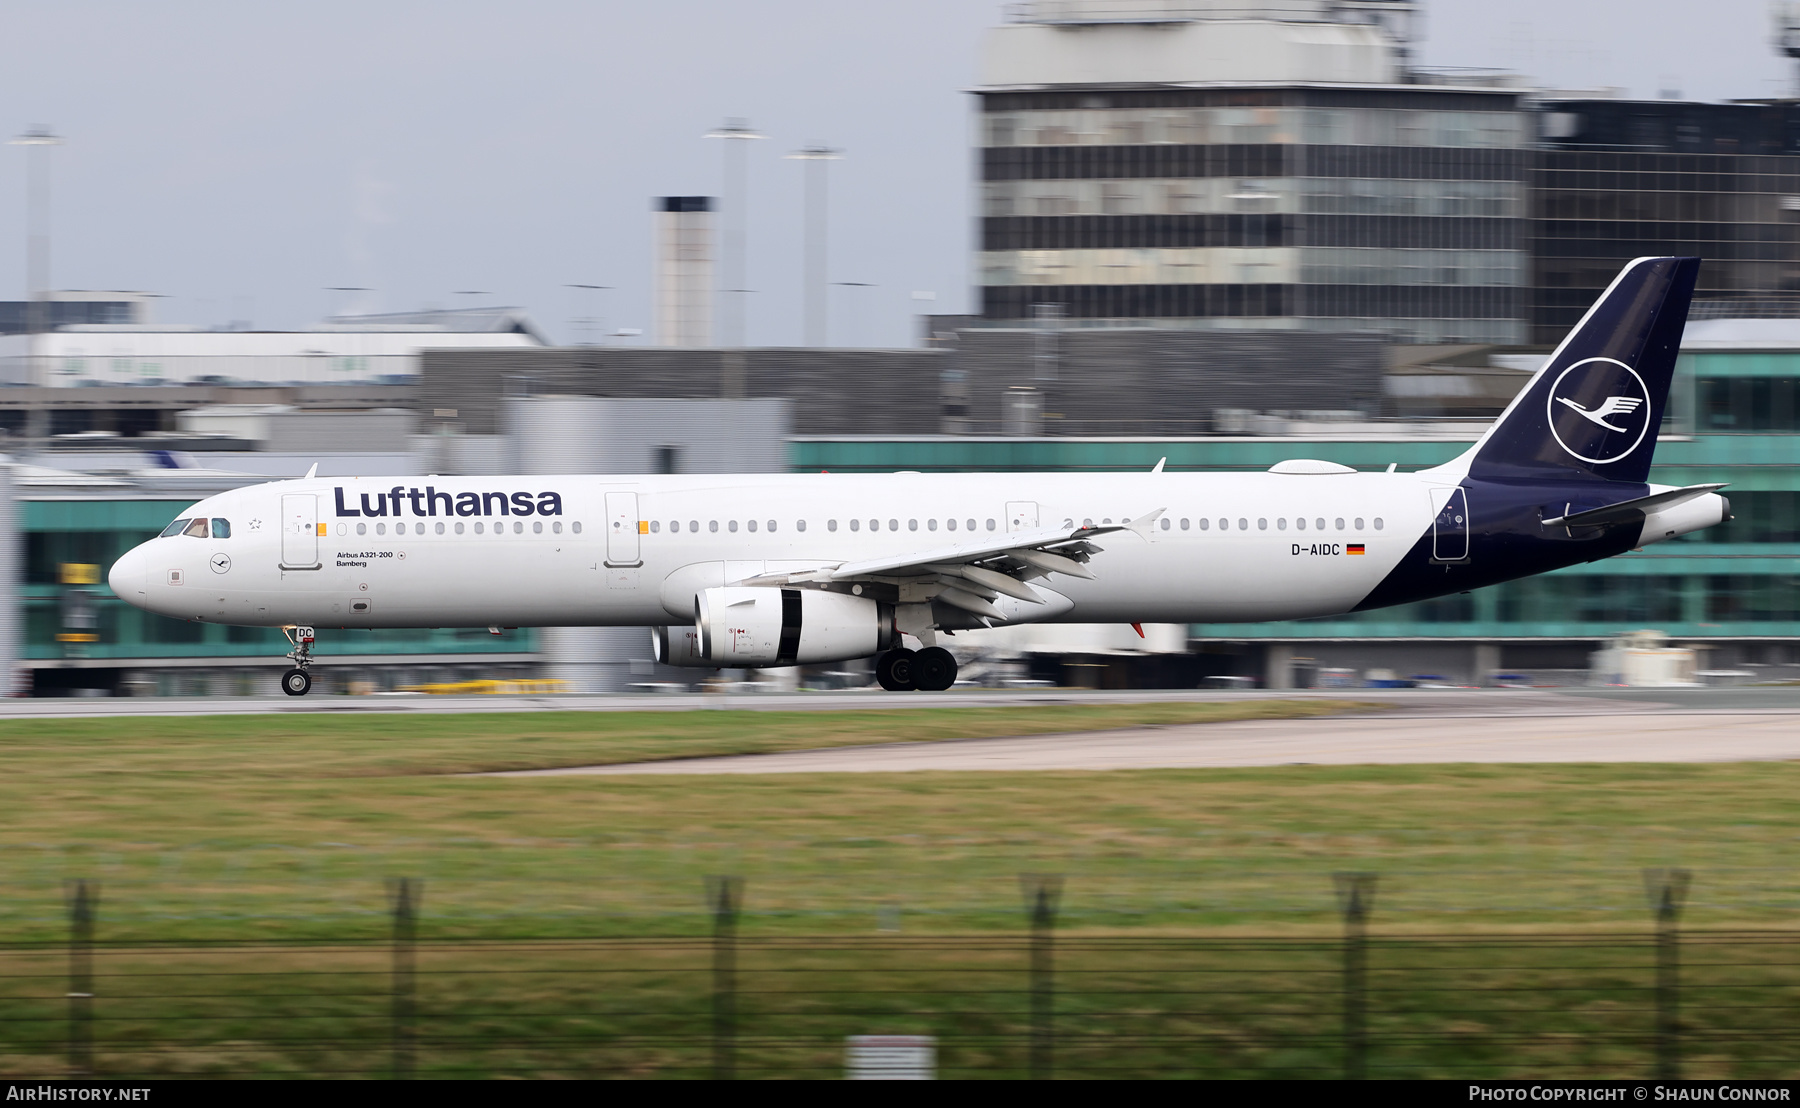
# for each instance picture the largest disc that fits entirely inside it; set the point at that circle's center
(297, 681)
(930, 670)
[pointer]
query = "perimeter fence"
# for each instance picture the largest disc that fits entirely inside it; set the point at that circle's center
(1658, 1002)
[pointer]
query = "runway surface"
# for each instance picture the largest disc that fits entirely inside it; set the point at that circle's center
(77, 707)
(1466, 701)
(1489, 726)
(1409, 726)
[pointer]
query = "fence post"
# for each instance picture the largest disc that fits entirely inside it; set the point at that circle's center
(83, 897)
(1042, 893)
(1667, 890)
(403, 899)
(725, 896)
(1356, 896)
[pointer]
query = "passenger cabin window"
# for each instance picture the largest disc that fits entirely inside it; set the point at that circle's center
(175, 528)
(221, 528)
(196, 529)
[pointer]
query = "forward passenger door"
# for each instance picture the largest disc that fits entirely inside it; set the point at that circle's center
(299, 531)
(622, 529)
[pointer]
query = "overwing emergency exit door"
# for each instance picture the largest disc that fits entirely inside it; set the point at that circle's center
(1450, 527)
(300, 529)
(622, 529)
(1021, 515)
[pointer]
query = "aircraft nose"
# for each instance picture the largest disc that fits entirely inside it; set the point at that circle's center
(127, 578)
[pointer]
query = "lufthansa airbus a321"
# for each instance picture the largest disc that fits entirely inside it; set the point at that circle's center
(779, 570)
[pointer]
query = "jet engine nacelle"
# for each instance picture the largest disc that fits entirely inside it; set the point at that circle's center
(778, 627)
(678, 646)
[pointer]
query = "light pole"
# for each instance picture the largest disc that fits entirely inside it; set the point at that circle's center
(38, 140)
(816, 156)
(855, 307)
(589, 322)
(345, 302)
(736, 133)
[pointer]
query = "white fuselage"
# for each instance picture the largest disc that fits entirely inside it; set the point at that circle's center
(634, 550)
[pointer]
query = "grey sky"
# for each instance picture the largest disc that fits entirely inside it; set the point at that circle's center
(240, 157)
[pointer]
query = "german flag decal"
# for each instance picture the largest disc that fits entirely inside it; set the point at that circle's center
(1354, 548)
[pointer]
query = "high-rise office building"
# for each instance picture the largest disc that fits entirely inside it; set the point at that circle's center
(1272, 165)
(1620, 179)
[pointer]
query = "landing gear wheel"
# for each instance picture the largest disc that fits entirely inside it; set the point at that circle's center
(894, 670)
(933, 669)
(296, 682)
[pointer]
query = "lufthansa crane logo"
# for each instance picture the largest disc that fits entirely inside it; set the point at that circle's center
(1599, 410)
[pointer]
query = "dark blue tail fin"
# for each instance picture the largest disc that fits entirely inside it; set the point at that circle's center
(1594, 409)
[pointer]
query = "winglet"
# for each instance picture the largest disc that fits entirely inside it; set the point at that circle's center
(1157, 468)
(311, 472)
(1142, 524)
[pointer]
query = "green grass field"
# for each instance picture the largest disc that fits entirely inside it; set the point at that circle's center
(235, 826)
(280, 831)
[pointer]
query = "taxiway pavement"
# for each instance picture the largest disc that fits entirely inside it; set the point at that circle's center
(1491, 726)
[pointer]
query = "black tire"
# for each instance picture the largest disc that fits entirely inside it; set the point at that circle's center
(894, 670)
(296, 682)
(934, 669)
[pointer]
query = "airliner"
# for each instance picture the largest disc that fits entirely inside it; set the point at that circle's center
(791, 569)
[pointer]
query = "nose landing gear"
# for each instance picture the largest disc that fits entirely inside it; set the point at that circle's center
(930, 670)
(298, 681)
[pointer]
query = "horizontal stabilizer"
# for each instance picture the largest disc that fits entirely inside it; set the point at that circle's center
(1631, 511)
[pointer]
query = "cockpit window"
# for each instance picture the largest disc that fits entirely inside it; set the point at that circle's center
(196, 529)
(221, 528)
(174, 528)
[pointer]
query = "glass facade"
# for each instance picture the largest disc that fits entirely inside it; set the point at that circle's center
(1394, 210)
(1617, 180)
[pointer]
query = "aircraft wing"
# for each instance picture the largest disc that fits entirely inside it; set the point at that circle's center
(970, 575)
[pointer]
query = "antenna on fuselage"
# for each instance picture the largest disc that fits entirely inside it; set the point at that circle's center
(312, 472)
